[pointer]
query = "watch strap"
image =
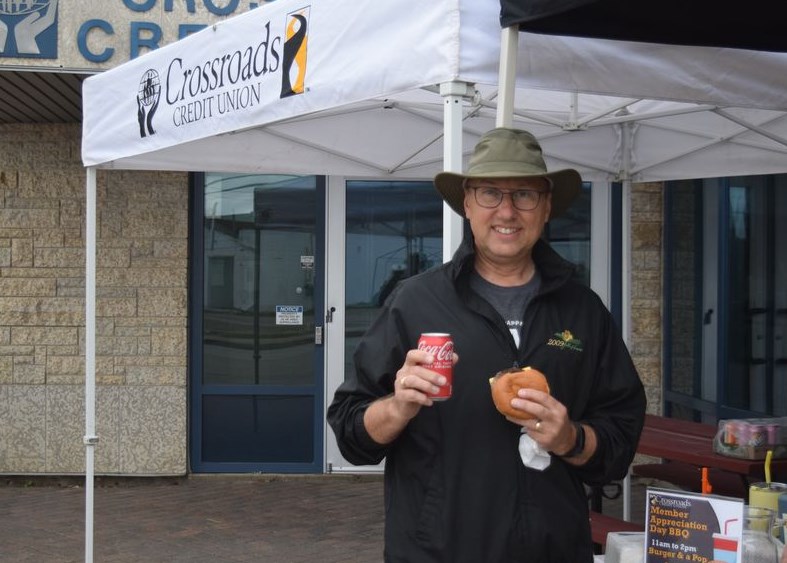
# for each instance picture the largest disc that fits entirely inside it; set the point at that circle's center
(579, 443)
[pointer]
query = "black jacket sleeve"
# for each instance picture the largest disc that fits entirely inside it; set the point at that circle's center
(377, 358)
(616, 409)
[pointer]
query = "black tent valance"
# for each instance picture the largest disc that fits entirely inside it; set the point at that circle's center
(743, 25)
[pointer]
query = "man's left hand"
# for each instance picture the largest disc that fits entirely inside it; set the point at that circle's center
(550, 425)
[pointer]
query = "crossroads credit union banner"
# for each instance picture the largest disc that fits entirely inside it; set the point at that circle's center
(359, 87)
(277, 61)
(217, 84)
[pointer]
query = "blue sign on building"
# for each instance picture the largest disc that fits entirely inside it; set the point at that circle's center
(28, 28)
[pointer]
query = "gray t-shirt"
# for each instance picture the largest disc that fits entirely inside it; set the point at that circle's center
(510, 302)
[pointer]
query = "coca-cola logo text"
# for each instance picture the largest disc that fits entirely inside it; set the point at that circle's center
(441, 353)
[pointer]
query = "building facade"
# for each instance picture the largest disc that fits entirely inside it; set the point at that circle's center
(226, 315)
(144, 415)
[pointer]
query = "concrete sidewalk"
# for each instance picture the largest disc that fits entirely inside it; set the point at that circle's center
(204, 519)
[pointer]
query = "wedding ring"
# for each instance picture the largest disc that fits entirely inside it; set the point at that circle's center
(538, 426)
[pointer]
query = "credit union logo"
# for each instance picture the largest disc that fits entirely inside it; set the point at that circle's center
(28, 28)
(148, 97)
(269, 67)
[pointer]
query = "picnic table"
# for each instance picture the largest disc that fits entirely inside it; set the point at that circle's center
(685, 448)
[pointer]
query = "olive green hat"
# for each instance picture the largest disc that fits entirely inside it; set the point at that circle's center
(509, 153)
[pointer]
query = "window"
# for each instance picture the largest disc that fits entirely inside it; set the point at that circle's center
(725, 300)
(569, 234)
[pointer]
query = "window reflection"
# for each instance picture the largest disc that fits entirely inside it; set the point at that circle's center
(569, 235)
(394, 231)
(756, 378)
(727, 324)
(685, 221)
(259, 238)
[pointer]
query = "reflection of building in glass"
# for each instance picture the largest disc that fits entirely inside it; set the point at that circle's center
(394, 231)
(569, 234)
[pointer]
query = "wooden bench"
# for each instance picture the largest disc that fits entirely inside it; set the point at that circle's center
(680, 426)
(686, 475)
(601, 525)
(689, 477)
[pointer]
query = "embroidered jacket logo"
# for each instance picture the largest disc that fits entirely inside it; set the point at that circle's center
(565, 340)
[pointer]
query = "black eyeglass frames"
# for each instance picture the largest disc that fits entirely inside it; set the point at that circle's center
(523, 200)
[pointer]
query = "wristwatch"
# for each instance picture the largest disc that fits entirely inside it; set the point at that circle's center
(579, 444)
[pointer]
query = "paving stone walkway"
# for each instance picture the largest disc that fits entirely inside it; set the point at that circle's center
(204, 519)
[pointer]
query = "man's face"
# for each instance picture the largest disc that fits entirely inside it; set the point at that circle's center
(505, 234)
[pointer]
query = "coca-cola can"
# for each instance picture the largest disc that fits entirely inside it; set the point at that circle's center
(441, 347)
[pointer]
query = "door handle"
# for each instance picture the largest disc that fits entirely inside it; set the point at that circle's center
(329, 315)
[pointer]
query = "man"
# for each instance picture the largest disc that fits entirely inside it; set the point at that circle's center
(463, 482)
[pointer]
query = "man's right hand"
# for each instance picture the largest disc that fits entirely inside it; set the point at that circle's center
(387, 417)
(414, 382)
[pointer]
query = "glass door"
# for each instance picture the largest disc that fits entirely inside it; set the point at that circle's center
(391, 230)
(394, 231)
(755, 380)
(257, 393)
(725, 306)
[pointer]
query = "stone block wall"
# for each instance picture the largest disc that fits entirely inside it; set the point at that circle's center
(646, 287)
(142, 264)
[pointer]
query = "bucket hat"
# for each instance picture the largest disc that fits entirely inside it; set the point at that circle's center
(509, 153)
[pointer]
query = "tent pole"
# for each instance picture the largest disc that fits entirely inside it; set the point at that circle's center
(90, 438)
(506, 83)
(625, 262)
(625, 178)
(625, 284)
(453, 94)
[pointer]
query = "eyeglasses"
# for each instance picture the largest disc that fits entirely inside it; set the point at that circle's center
(523, 200)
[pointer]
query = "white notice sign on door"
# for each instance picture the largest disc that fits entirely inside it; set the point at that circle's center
(289, 314)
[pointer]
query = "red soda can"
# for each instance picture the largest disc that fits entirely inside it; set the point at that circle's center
(758, 436)
(731, 436)
(441, 346)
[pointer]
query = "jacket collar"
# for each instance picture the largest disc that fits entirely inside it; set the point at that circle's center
(554, 269)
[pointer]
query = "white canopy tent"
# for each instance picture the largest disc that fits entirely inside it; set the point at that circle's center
(221, 104)
(404, 90)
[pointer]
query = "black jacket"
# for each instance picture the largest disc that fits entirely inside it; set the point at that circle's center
(455, 487)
